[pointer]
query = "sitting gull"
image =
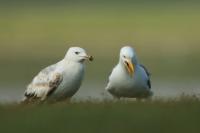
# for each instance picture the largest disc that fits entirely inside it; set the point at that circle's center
(129, 78)
(59, 81)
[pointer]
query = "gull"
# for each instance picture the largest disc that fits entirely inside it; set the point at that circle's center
(129, 79)
(59, 81)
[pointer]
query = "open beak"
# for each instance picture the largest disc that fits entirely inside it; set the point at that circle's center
(129, 65)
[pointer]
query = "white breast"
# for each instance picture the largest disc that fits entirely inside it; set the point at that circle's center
(119, 78)
(72, 77)
(122, 84)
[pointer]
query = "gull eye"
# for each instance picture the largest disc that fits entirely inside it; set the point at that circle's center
(124, 56)
(77, 53)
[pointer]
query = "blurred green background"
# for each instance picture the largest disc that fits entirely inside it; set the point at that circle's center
(165, 35)
(35, 34)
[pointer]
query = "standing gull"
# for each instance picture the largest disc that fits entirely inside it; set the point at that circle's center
(129, 78)
(61, 80)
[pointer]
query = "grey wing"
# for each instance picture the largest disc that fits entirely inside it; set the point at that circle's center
(43, 84)
(148, 74)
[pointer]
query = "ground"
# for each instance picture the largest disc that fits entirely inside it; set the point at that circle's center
(89, 117)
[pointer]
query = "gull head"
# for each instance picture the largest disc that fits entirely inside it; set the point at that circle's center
(128, 59)
(77, 54)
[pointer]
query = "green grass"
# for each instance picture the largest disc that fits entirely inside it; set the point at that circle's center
(109, 117)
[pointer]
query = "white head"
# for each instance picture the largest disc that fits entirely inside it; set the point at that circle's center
(128, 59)
(77, 54)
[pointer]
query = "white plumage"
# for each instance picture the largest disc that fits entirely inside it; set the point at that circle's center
(61, 80)
(129, 78)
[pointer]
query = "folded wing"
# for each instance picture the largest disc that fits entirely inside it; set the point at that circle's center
(148, 75)
(43, 85)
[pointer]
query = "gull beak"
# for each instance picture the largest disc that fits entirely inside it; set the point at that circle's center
(89, 57)
(129, 65)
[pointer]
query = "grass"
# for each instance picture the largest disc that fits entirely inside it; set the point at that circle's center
(109, 117)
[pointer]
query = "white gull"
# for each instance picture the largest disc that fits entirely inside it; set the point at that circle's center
(59, 81)
(129, 78)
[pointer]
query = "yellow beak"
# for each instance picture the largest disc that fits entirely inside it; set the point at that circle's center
(130, 67)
